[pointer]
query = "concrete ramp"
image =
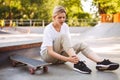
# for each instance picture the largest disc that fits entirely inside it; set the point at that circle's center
(104, 38)
(2, 32)
(102, 30)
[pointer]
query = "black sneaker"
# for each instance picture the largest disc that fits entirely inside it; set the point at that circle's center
(107, 65)
(81, 67)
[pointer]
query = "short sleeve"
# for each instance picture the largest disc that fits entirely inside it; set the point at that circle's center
(47, 39)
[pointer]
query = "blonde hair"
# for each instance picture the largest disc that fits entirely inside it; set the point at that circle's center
(58, 9)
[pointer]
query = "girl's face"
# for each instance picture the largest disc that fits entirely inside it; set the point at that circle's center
(59, 19)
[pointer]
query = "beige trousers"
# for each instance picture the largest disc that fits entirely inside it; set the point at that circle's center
(61, 45)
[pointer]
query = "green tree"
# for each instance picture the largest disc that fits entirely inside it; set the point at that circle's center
(107, 6)
(8, 9)
(74, 11)
(40, 9)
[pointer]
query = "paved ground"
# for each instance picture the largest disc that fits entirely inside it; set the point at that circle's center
(106, 47)
(58, 72)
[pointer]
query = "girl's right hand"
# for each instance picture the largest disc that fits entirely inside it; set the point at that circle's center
(73, 59)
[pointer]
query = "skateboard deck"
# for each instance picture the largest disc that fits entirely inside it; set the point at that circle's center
(32, 64)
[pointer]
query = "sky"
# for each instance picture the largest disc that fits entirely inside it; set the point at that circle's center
(86, 5)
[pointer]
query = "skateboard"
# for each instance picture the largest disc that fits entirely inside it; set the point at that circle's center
(32, 64)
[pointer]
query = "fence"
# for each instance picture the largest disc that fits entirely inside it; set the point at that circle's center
(110, 17)
(42, 23)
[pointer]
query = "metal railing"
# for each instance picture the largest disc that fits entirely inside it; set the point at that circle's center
(42, 23)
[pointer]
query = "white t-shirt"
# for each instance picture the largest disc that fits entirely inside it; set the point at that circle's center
(50, 35)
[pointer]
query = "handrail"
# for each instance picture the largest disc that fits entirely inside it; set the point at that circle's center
(42, 23)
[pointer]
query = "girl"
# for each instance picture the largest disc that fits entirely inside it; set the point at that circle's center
(57, 48)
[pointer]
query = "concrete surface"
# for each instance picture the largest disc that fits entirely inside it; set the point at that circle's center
(39, 30)
(18, 39)
(58, 72)
(102, 30)
(107, 47)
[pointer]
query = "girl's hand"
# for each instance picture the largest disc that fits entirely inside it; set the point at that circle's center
(73, 59)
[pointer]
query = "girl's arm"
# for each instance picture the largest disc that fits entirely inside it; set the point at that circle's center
(61, 57)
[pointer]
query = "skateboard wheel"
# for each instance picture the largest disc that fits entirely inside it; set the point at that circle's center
(45, 69)
(32, 71)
